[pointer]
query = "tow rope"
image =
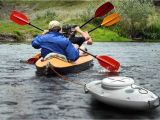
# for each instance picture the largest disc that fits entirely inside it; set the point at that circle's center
(66, 78)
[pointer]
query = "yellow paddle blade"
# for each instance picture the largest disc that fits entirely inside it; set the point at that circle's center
(111, 19)
(116, 20)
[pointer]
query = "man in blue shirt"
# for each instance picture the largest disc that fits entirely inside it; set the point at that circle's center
(55, 42)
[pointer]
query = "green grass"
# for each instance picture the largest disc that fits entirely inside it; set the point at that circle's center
(72, 12)
(40, 13)
(101, 34)
(26, 31)
(105, 35)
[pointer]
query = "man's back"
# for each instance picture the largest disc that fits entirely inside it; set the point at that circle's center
(55, 42)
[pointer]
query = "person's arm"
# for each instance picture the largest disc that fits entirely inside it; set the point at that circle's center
(84, 34)
(89, 41)
(36, 42)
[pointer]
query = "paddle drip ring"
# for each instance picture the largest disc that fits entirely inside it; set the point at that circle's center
(140, 89)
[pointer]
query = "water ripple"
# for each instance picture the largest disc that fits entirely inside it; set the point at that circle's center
(25, 96)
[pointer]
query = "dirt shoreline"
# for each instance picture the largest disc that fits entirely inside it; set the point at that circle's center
(8, 37)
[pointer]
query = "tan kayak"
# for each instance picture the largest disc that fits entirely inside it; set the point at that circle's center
(63, 67)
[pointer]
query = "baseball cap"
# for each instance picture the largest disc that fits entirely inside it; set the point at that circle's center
(53, 24)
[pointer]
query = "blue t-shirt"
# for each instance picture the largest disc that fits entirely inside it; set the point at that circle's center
(57, 43)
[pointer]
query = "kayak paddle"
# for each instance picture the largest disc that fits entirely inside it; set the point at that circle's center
(101, 11)
(21, 19)
(108, 21)
(105, 61)
(34, 59)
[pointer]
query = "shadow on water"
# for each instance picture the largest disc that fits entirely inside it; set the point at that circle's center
(100, 110)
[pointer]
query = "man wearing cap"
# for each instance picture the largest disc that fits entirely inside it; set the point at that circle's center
(55, 42)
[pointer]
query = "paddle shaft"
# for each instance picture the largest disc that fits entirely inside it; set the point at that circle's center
(95, 56)
(108, 21)
(94, 29)
(89, 30)
(35, 26)
(101, 11)
(80, 27)
(43, 30)
(28, 22)
(87, 22)
(87, 52)
(74, 32)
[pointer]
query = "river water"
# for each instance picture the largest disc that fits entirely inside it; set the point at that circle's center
(25, 96)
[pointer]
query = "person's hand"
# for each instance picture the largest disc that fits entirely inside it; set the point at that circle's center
(77, 29)
(85, 35)
(89, 42)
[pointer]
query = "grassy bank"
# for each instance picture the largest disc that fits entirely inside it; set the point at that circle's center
(140, 19)
(41, 12)
(27, 32)
(71, 12)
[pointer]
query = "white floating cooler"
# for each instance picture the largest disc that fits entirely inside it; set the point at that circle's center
(116, 82)
(122, 92)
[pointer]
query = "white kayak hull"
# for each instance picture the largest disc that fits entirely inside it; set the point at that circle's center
(132, 96)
